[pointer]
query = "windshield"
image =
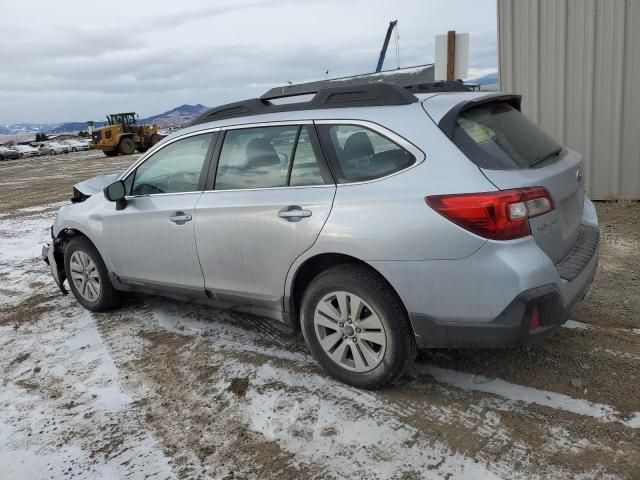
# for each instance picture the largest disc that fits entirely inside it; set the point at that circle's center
(496, 135)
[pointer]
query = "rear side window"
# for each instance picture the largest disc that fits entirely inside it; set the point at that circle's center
(359, 153)
(268, 157)
(497, 136)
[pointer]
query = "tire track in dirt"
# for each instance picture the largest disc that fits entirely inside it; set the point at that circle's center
(496, 430)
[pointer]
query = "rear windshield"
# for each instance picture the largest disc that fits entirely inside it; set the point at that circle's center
(496, 135)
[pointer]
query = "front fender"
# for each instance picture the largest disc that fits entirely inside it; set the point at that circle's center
(82, 219)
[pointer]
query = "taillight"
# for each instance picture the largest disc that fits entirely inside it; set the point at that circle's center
(501, 215)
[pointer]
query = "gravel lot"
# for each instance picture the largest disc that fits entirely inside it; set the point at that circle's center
(161, 389)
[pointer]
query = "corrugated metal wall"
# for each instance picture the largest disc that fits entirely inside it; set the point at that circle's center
(577, 64)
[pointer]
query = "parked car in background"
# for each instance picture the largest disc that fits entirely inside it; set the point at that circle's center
(76, 145)
(8, 153)
(376, 219)
(26, 151)
(53, 148)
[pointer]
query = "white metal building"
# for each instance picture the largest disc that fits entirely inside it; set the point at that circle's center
(577, 64)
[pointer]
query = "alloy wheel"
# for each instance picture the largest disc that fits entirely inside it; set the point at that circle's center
(84, 275)
(350, 331)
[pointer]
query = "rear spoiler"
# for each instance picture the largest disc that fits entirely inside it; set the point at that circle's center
(448, 123)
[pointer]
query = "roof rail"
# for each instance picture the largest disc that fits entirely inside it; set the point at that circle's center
(361, 95)
(441, 86)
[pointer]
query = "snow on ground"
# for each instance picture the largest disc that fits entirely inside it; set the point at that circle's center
(63, 410)
(285, 417)
(58, 394)
(575, 325)
(524, 394)
(160, 389)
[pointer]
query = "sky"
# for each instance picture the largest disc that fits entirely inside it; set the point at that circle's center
(72, 61)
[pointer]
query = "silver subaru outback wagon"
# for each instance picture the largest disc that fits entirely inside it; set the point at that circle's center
(379, 219)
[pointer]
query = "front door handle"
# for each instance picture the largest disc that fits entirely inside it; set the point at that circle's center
(294, 213)
(180, 218)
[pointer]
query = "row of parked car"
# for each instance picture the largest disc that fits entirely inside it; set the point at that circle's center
(44, 148)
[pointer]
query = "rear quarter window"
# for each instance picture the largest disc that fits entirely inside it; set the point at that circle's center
(359, 153)
(496, 135)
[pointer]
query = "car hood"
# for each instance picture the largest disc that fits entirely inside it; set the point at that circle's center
(86, 188)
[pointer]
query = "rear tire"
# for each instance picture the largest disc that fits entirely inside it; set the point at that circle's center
(74, 149)
(52, 152)
(110, 153)
(126, 147)
(368, 340)
(88, 277)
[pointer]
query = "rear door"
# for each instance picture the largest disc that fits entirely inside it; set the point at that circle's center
(512, 152)
(270, 197)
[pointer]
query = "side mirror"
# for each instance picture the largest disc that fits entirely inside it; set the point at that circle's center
(116, 193)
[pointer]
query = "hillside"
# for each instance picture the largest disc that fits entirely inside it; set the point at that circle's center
(487, 80)
(17, 128)
(175, 117)
(179, 116)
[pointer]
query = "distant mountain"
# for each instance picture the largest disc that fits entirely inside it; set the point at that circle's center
(489, 79)
(73, 127)
(175, 117)
(15, 128)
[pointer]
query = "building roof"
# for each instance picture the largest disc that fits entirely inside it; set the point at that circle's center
(401, 76)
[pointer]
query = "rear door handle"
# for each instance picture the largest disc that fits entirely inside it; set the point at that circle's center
(180, 218)
(294, 213)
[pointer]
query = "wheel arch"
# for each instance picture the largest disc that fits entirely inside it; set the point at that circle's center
(311, 267)
(66, 234)
(123, 136)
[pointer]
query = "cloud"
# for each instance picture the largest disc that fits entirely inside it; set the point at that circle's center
(68, 62)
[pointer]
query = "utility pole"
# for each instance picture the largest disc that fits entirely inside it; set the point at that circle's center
(451, 55)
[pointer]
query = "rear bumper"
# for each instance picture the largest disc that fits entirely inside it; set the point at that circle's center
(486, 300)
(513, 327)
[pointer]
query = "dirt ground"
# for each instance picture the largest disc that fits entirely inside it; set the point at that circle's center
(161, 389)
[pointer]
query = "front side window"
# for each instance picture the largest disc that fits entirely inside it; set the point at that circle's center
(175, 168)
(496, 135)
(267, 157)
(360, 154)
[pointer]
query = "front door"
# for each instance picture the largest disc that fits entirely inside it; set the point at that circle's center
(272, 195)
(151, 242)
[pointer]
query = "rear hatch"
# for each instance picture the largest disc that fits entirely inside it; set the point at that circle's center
(512, 152)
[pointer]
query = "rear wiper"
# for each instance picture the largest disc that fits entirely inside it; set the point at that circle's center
(541, 159)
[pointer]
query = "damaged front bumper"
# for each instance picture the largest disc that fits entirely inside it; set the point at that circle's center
(53, 255)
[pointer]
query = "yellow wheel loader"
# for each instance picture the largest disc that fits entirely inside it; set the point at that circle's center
(122, 135)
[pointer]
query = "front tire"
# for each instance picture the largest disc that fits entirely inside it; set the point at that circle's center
(110, 153)
(127, 146)
(88, 277)
(155, 138)
(356, 327)
(74, 149)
